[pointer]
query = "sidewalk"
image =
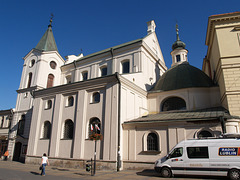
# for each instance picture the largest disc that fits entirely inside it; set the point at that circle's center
(18, 171)
(79, 173)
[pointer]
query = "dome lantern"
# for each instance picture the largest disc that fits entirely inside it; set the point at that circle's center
(179, 53)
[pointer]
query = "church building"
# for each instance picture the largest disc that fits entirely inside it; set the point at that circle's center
(126, 94)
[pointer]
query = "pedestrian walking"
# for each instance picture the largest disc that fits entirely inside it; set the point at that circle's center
(44, 163)
(6, 154)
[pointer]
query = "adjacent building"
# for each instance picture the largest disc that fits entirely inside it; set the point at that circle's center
(5, 123)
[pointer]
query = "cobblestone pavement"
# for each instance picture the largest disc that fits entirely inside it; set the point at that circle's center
(11, 170)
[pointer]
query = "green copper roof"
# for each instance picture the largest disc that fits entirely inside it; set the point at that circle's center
(47, 42)
(182, 76)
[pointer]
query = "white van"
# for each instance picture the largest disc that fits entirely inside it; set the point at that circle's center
(210, 157)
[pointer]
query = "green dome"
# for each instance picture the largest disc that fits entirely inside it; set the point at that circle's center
(182, 76)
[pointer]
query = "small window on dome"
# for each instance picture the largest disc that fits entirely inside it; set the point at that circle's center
(178, 58)
(53, 65)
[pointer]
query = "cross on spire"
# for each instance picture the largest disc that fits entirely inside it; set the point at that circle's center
(50, 24)
(177, 30)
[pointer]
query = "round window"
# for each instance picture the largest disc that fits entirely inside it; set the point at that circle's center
(32, 63)
(53, 65)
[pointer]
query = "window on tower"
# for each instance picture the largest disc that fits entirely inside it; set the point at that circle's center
(32, 62)
(50, 80)
(178, 58)
(29, 80)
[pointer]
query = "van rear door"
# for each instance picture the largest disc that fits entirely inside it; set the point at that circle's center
(197, 160)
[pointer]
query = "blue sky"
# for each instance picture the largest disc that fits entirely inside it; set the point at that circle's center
(95, 25)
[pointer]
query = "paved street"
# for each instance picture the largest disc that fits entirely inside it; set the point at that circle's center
(10, 170)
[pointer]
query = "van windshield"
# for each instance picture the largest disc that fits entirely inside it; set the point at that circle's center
(177, 152)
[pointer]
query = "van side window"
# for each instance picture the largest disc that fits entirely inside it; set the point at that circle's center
(178, 152)
(197, 152)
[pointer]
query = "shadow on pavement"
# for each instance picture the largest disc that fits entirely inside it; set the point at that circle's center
(148, 172)
(153, 173)
(35, 173)
(59, 169)
(82, 174)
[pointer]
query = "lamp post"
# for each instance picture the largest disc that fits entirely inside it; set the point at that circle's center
(95, 154)
(95, 137)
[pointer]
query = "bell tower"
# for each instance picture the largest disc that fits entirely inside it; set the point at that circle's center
(41, 69)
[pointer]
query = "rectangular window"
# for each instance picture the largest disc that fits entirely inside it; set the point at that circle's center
(21, 125)
(84, 76)
(197, 152)
(178, 58)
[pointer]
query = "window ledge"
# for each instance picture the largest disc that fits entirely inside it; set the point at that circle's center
(44, 138)
(94, 102)
(66, 139)
(150, 152)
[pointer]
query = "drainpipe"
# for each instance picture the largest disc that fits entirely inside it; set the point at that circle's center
(119, 122)
(223, 124)
(75, 68)
(111, 51)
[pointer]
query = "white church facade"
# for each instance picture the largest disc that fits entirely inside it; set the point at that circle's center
(125, 93)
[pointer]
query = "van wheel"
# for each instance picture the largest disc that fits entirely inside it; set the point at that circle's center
(234, 174)
(166, 172)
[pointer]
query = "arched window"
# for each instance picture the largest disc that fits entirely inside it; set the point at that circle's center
(50, 80)
(84, 75)
(204, 134)
(152, 142)
(29, 80)
(104, 71)
(70, 101)
(96, 97)
(125, 67)
(46, 130)
(173, 103)
(48, 104)
(94, 126)
(68, 129)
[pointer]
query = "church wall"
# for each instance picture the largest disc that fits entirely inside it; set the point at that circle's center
(83, 109)
(169, 134)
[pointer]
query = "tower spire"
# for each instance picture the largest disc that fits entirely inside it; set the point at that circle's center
(47, 42)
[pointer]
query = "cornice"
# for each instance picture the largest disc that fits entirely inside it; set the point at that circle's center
(87, 85)
(216, 19)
